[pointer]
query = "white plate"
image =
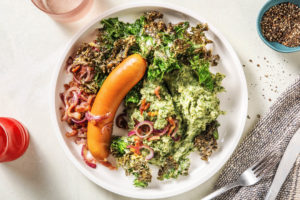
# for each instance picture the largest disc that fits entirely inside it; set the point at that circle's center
(233, 101)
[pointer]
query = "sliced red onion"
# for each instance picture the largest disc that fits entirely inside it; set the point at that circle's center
(89, 75)
(82, 97)
(155, 137)
(176, 139)
(70, 60)
(79, 121)
(76, 80)
(68, 92)
(96, 118)
(162, 131)
(133, 132)
(75, 98)
(148, 123)
(151, 152)
(121, 121)
(90, 162)
(106, 129)
(69, 68)
(175, 130)
(80, 140)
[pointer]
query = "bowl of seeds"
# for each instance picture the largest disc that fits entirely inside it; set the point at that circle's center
(278, 25)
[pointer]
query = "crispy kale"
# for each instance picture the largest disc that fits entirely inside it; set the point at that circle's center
(137, 166)
(166, 48)
(172, 169)
(206, 142)
(132, 163)
(134, 94)
(118, 146)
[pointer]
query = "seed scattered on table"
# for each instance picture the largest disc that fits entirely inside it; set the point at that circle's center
(281, 23)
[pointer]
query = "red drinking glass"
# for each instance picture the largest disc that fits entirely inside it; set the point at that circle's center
(14, 139)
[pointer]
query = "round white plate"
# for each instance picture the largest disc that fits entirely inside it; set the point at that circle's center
(233, 101)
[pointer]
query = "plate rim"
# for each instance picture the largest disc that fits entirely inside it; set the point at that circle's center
(54, 81)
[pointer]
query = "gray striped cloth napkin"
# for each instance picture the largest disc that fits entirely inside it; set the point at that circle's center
(271, 134)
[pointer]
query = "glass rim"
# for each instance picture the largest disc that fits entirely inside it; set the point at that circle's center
(59, 14)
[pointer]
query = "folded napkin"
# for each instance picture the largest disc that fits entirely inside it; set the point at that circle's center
(271, 134)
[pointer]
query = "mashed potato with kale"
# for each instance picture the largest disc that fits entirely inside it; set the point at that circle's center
(173, 111)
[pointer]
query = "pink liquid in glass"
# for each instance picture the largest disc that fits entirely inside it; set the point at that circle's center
(64, 10)
(61, 6)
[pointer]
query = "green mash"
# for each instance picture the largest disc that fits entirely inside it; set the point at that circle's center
(177, 97)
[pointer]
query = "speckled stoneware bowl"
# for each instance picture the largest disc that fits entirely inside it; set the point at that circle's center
(275, 45)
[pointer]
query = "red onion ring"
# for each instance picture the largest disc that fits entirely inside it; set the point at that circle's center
(121, 122)
(92, 118)
(151, 152)
(90, 162)
(79, 121)
(162, 131)
(133, 132)
(96, 118)
(89, 75)
(148, 123)
(67, 94)
(69, 68)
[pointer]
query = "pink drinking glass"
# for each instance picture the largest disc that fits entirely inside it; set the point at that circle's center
(64, 10)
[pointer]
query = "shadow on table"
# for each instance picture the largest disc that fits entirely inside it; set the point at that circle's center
(28, 172)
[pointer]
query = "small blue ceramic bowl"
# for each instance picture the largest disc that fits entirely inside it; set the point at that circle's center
(275, 45)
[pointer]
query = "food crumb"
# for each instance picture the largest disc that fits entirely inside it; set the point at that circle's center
(250, 60)
(266, 76)
(270, 99)
(264, 58)
(258, 116)
(244, 65)
(248, 116)
(258, 65)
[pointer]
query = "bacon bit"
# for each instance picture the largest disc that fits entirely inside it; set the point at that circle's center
(66, 86)
(90, 162)
(144, 106)
(72, 133)
(156, 92)
(173, 125)
(147, 106)
(155, 137)
(76, 68)
(153, 114)
(136, 147)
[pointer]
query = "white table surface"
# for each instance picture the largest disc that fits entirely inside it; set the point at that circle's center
(30, 45)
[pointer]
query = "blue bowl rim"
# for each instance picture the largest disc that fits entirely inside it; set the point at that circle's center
(267, 6)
